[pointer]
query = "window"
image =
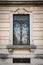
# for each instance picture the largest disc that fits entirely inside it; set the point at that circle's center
(21, 60)
(21, 29)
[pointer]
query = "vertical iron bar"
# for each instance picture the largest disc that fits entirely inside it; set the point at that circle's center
(21, 33)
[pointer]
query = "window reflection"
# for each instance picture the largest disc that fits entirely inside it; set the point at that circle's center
(16, 33)
(21, 29)
(24, 32)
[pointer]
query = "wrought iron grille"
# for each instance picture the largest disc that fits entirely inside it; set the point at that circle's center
(21, 29)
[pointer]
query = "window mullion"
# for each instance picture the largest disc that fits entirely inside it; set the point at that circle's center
(21, 33)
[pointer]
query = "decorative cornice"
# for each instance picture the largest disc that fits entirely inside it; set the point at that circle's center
(21, 2)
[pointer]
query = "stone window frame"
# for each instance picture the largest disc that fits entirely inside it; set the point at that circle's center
(11, 24)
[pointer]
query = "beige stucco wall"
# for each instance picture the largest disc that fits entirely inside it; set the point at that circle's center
(37, 22)
(6, 13)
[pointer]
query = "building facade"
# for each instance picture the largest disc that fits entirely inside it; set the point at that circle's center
(21, 32)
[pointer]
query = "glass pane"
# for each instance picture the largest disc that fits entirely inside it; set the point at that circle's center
(16, 33)
(20, 17)
(21, 29)
(24, 33)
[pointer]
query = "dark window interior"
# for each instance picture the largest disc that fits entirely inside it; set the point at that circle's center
(21, 60)
(21, 29)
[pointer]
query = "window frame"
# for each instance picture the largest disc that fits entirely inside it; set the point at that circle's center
(28, 28)
(11, 30)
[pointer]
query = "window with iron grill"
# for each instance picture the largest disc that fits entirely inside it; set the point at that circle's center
(21, 29)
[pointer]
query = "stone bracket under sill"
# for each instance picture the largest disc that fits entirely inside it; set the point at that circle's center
(11, 48)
